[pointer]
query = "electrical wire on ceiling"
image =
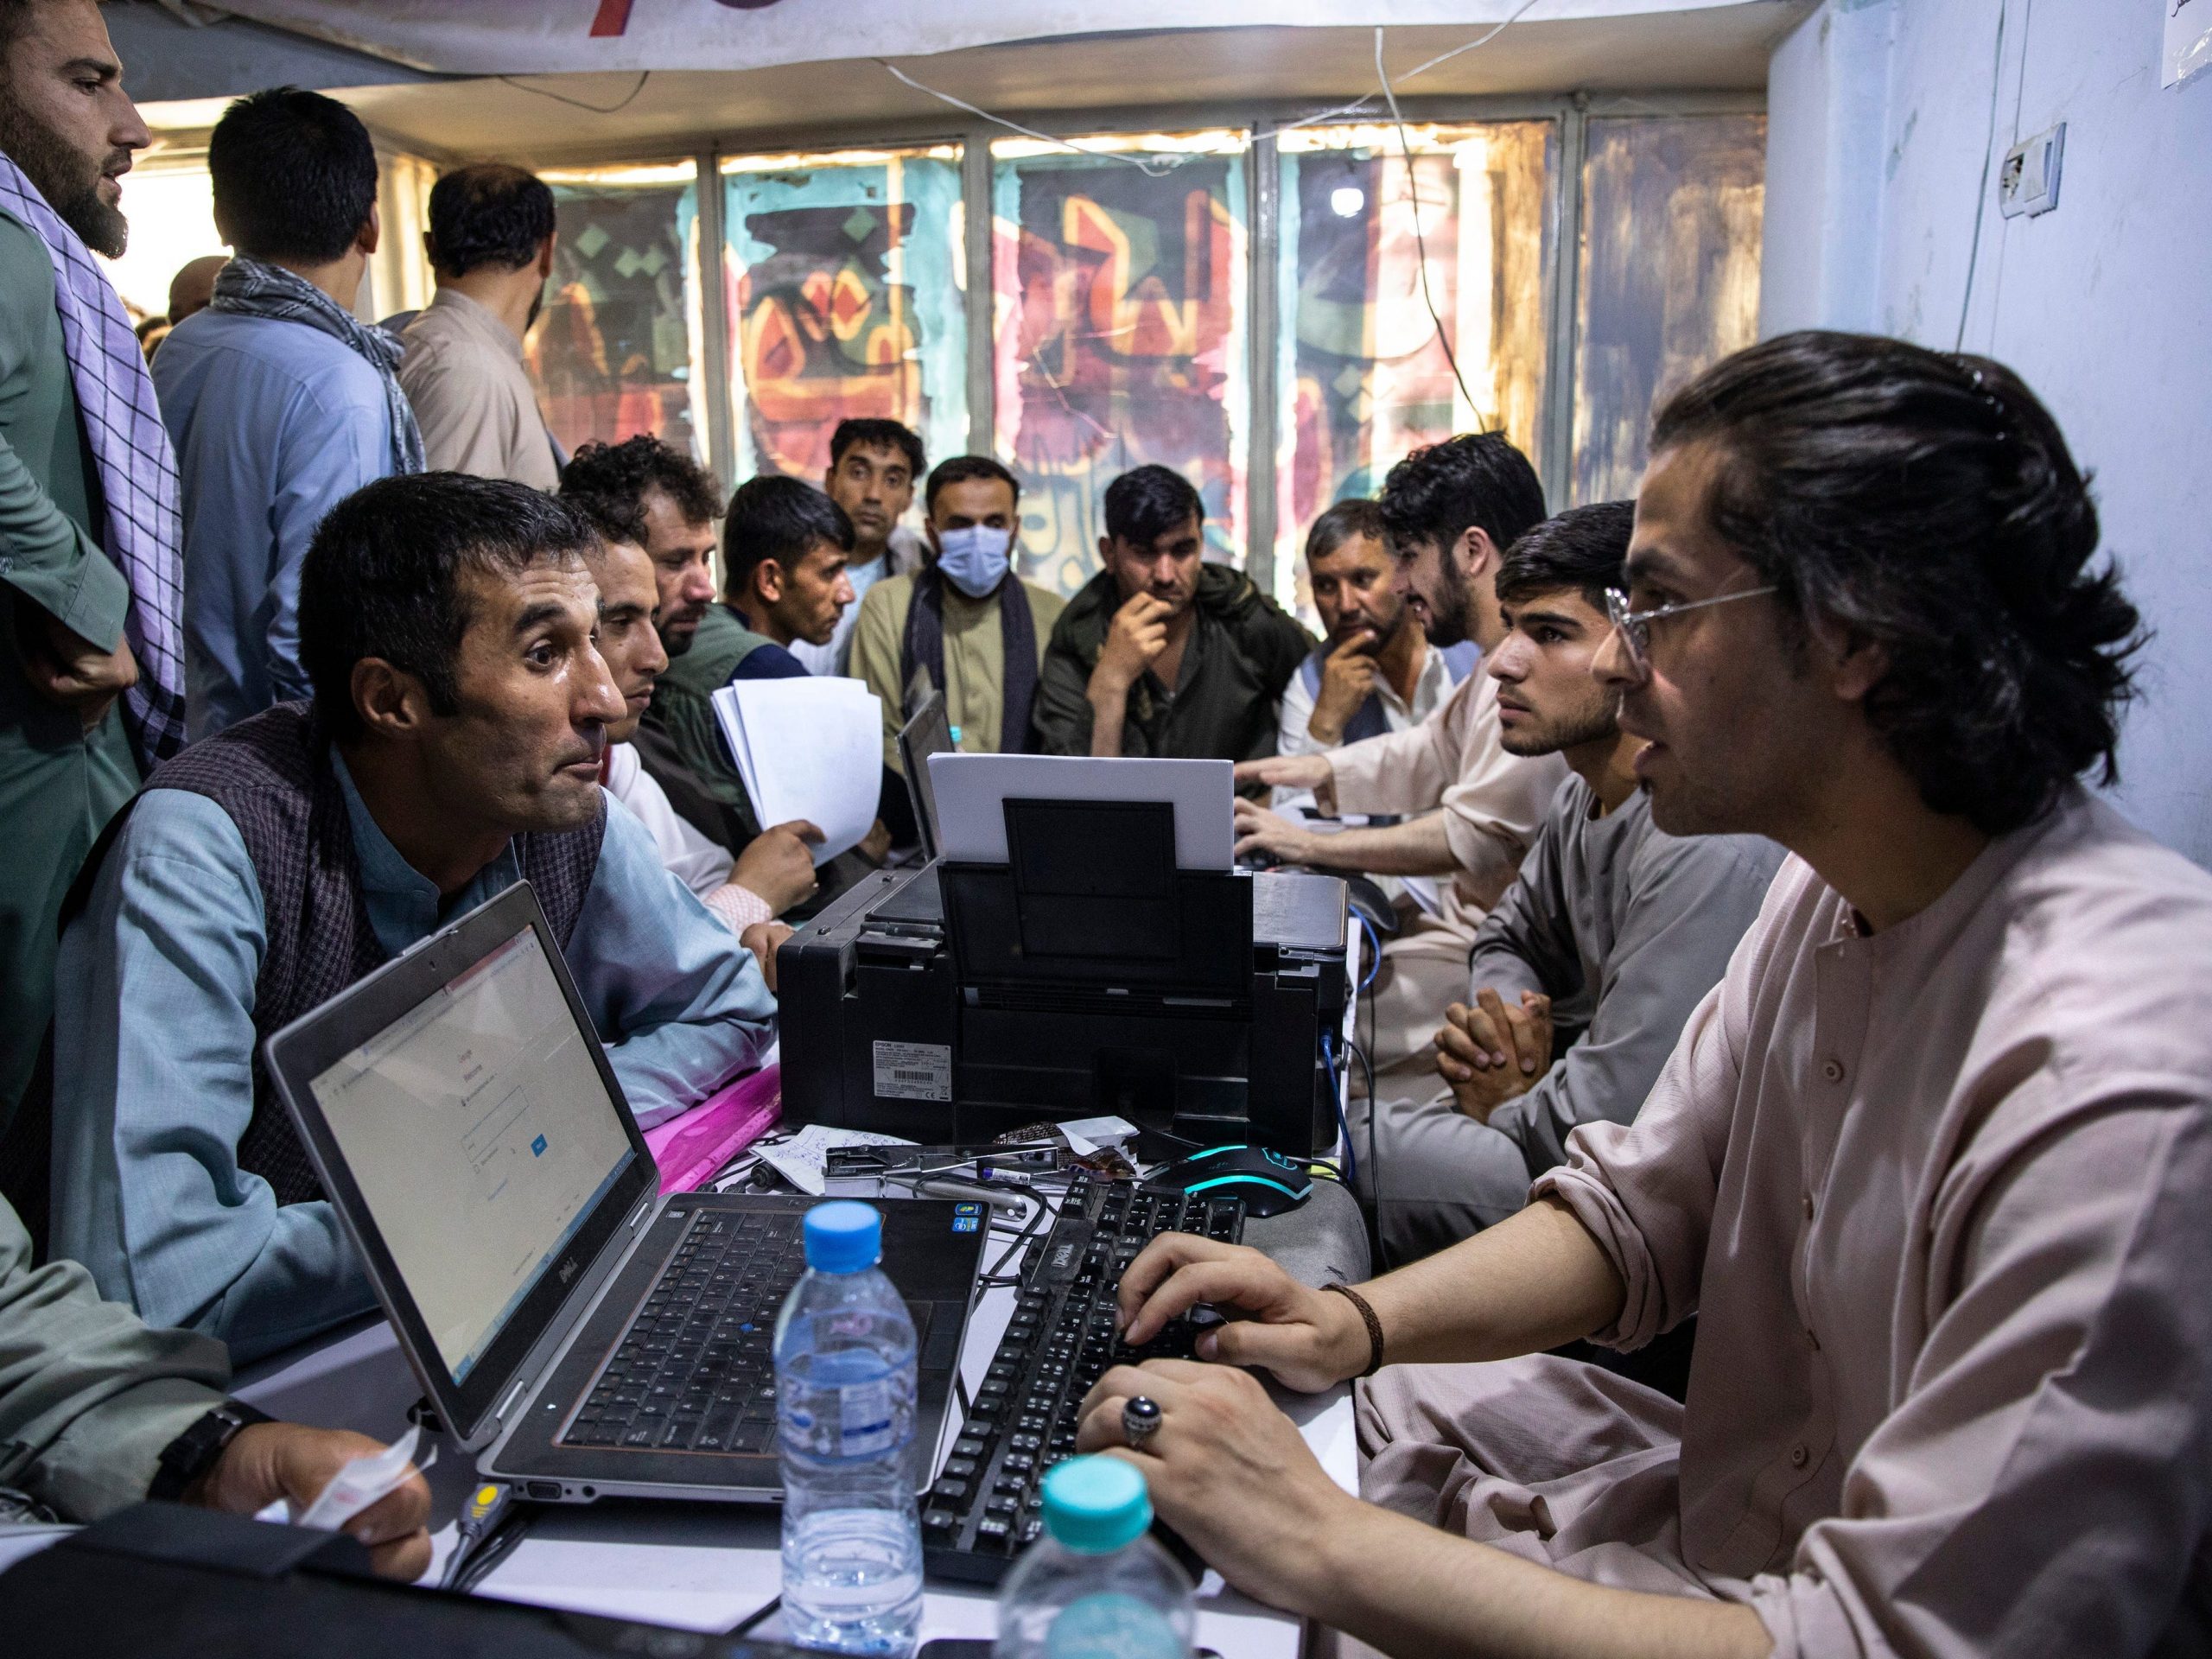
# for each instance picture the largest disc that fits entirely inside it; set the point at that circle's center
(1151, 166)
(644, 75)
(1157, 166)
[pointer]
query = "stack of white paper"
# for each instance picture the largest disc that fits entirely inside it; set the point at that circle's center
(808, 748)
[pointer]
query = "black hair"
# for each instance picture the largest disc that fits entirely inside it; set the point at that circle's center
(487, 214)
(15, 18)
(961, 469)
(1356, 517)
(382, 577)
(1585, 549)
(608, 481)
(1926, 503)
(613, 519)
(868, 434)
(1143, 506)
(295, 175)
(1477, 480)
(778, 519)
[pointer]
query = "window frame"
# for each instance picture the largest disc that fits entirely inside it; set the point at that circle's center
(1572, 111)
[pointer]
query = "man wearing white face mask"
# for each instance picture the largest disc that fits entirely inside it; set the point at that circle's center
(965, 625)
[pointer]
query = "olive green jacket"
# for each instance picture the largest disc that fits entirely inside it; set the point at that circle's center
(1243, 652)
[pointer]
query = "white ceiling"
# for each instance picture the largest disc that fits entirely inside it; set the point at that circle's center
(1057, 84)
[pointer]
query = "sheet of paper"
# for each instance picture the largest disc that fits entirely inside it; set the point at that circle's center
(800, 1160)
(972, 791)
(354, 1487)
(808, 748)
(1086, 1135)
(1423, 891)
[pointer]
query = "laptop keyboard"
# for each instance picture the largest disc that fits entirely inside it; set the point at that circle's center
(696, 1372)
(983, 1508)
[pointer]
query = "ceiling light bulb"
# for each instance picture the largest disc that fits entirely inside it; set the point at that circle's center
(1346, 200)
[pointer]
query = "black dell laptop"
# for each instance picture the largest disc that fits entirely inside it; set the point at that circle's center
(587, 1335)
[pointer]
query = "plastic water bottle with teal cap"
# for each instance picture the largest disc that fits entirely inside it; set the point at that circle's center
(1096, 1585)
(845, 1403)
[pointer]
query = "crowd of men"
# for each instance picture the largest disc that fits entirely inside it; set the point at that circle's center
(1751, 979)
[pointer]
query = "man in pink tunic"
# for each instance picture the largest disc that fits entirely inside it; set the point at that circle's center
(1928, 1164)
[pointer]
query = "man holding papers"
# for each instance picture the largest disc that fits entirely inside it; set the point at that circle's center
(784, 544)
(776, 870)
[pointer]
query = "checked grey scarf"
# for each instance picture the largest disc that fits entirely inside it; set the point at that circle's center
(252, 288)
(136, 468)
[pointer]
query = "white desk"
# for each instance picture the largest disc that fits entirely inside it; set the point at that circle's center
(705, 1567)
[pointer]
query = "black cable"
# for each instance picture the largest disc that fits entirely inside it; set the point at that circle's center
(757, 1616)
(1367, 1067)
(1179, 1140)
(1038, 1210)
(644, 75)
(496, 1546)
(1337, 1100)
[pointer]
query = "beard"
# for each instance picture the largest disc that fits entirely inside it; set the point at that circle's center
(1570, 731)
(66, 179)
(1448, 607)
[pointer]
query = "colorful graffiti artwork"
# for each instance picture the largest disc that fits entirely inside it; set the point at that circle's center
(1119, 294)
(1365, 359)
(615, 352)
(1669, 282)
(846, 299)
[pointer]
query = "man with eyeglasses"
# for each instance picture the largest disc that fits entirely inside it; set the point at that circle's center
(1928, 1164)
(1584, 973)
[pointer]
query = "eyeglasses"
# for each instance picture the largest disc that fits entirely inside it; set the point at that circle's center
(1634, 626)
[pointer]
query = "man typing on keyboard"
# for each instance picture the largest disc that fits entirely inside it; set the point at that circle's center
(1928, 1164)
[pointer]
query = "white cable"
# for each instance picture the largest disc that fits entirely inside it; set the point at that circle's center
(1413, 198)
(1981, 191)
(1158, 166)
(1150, 165)
(1446, 57)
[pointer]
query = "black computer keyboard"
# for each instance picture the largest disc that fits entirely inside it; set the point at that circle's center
(697, 1370)
(982, 1509)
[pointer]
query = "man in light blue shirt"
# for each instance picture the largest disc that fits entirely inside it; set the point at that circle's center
(280, 402)
(453, 747)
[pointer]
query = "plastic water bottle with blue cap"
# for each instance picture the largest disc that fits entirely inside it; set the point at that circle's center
(1096, 1585)
(845, 1402)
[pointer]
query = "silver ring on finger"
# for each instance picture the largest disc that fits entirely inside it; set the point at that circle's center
(1140, 1420)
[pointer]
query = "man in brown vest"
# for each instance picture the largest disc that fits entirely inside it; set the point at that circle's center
(453, 747)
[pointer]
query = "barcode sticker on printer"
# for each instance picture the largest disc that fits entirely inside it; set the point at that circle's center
(913, 1071)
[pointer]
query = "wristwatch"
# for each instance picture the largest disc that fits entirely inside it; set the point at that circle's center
(193, 1452)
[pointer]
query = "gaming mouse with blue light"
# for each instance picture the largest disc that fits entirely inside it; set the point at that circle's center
(1267, 1182)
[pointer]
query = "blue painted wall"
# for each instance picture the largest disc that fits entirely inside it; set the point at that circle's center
(1880, 113)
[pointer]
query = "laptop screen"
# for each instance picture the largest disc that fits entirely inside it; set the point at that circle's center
(480, 1134)
(925, 735)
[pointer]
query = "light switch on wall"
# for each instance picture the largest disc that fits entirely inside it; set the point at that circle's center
(2028, 182)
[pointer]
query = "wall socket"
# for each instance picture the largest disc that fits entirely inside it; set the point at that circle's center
(2028, 182)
